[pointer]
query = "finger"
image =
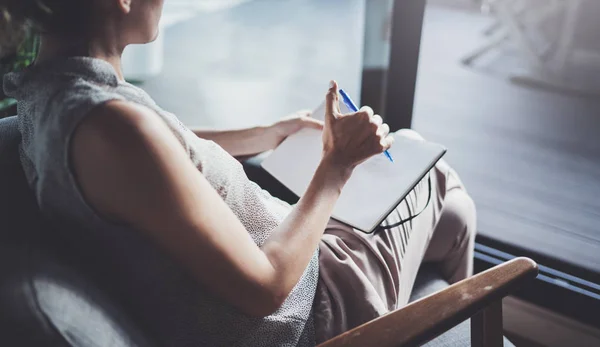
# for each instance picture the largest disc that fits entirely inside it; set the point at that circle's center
(312, 123)
(383, 130)
(387, 142)
(367, 110)
(332, 103)
(376, 119)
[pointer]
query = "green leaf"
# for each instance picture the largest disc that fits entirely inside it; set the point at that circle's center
(6, 103)
(25, 54)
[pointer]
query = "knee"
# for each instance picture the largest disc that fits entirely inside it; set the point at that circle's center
(460, 216)
(465, 213)
(411, 134)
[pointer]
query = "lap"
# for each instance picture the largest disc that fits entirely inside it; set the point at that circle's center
(363, 276)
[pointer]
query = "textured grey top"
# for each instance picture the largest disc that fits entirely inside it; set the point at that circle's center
(53, 98)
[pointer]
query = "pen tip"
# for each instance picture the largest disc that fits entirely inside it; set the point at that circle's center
(387, 154)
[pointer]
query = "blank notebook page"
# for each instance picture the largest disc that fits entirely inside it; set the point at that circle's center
(376, 186)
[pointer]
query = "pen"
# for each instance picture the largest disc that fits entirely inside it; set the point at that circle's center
(352, 106)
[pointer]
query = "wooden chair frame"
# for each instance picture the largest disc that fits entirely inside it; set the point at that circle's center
(479, 298)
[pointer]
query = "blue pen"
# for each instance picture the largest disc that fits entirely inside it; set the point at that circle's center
(352, 106)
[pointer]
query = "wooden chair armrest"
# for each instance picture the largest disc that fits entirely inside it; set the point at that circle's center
(429, 317)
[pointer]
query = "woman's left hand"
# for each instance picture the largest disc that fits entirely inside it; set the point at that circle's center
(291, 125)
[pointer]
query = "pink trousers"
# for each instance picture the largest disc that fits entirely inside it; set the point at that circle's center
(365, 276)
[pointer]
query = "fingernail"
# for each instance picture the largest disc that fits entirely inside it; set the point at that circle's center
(331, 84)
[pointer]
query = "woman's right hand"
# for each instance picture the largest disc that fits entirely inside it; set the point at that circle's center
(350, 139)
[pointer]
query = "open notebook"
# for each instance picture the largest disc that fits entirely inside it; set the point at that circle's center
(376, 187)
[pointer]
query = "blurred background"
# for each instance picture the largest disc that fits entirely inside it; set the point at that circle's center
(511, 87)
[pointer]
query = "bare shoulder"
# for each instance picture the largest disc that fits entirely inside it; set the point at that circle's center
(117, 123)
(120, 149)
(121, 134)
(120, 129)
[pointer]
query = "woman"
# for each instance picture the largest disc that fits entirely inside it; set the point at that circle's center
(169, 224)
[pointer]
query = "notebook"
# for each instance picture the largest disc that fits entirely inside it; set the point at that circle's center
(376, 186)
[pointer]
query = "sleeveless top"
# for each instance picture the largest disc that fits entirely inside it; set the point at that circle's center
(155, 291)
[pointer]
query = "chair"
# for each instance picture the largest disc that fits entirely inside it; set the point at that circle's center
(45, 301)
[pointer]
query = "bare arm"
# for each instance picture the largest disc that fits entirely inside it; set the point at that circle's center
(259, 139)
(240, 142)
(134, 171)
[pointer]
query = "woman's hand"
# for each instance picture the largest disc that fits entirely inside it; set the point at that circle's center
(291, 125)
(350, 139)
